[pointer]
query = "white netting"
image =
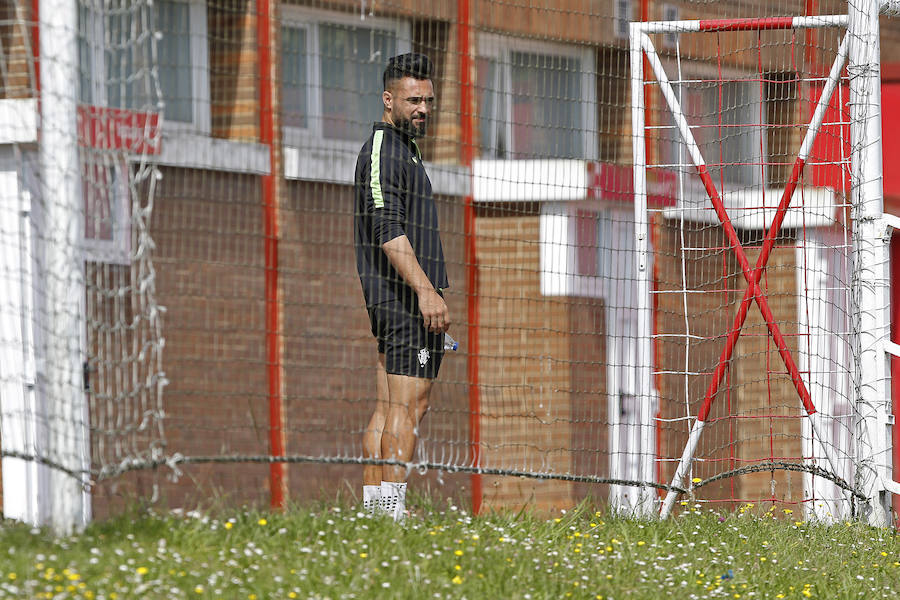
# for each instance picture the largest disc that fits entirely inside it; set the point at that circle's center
(82, 375)
(756, 129)
(587, 333)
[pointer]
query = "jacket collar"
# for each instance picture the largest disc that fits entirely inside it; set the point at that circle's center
(407, 138)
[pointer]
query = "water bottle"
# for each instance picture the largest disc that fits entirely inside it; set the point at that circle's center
(450, 343)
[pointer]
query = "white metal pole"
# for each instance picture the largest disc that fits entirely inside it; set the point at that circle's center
(684, 464)
(870, 264)
(644, 370)
(64, 270)
(18, 423)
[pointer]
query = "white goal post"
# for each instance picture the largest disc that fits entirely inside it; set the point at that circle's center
(868, 373)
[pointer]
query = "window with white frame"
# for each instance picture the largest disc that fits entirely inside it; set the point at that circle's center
(726, 114)
(331, 67)
(116, 62)
(107, 207)
(535, 99)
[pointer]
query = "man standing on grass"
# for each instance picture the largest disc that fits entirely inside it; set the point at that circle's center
(401, 267)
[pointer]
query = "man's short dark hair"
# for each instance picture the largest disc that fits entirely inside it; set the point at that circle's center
(411, 64)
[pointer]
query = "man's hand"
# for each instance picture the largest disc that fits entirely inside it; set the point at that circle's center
(435, 314)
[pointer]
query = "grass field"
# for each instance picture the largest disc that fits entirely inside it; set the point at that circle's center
(335, 552)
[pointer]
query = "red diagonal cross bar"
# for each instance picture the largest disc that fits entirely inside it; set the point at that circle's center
(753, 291)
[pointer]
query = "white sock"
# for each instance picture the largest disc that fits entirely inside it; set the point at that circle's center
(393, 499)
(371, 498)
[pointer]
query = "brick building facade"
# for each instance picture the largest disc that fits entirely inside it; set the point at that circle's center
(545, 364)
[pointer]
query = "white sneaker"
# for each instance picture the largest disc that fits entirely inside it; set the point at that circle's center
(393, 499)
(372, 499)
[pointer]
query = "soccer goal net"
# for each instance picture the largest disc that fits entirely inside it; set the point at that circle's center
(756, 267)
(663, 239)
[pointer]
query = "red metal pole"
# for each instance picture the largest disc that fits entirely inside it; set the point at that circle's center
(277, 478)
(467, 138)
(747, 24)
(753, 291)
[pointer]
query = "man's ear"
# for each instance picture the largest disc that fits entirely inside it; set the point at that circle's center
(388, 99)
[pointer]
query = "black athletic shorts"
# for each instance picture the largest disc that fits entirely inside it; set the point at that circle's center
(408, 348)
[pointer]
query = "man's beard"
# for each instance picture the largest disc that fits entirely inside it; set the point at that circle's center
(412, 129)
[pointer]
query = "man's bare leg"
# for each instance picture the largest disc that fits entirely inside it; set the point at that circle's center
(407, 404)
(372, 439)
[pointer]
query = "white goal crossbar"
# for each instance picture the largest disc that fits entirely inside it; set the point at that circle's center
(762, 24)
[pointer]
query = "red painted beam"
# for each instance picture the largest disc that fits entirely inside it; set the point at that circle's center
(754, 292)
(746, 24)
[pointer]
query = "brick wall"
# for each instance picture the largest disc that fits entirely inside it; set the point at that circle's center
(209, 263)
(756, 414)
(709, 316)
(543, 358)
(541, 373)
(581, 20)
(207, 227)
(15, 36)
(233, 68)
(765, 387)
(589, 443)
(330, 354)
